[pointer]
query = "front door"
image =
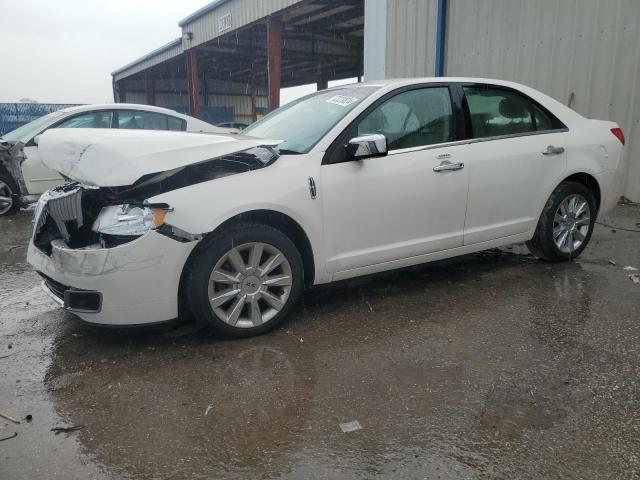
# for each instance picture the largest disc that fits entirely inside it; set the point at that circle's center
(410, 202)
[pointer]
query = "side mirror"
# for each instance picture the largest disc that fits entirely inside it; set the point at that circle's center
(367, 146)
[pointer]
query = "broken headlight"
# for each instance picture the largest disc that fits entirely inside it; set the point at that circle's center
(128, 220)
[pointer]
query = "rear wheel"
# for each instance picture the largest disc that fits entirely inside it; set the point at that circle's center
(8, 195)
(566, 223)
(244, 281)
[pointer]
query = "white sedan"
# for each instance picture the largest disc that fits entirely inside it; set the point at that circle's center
(31, 178)
(357, 179)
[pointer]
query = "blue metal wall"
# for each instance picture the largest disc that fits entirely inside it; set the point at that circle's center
(14, 115)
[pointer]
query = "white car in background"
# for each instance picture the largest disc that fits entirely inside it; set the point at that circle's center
(359, 179)
(36, 178)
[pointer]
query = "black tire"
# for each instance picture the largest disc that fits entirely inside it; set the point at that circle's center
(11, 188)
(542, 244)
(212, 249)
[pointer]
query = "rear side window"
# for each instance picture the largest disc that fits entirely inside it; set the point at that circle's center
(414, 118)
(141, 120)
(495, 112)
(100, 119)
(176, 124)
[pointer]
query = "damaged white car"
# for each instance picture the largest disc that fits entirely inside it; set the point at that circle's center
(356, 180)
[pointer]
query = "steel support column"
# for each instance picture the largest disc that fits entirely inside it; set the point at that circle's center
(122, 92)
(274, 61)
(252, 86)
(193, 83)
(150, 87)
(322, 84)
(441, 33)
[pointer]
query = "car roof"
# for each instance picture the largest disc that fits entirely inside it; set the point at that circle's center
(120, 106)
(401, 82)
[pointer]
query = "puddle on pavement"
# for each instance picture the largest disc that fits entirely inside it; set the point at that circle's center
(490, 366)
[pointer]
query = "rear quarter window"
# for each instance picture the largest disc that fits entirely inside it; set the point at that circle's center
(176, 124)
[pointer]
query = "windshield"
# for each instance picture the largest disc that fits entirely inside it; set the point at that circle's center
(29, 130)
(303, 122)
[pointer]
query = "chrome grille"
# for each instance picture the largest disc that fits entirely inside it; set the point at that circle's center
(62, 207)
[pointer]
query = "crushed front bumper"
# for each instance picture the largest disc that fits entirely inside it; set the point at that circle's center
(137, 282)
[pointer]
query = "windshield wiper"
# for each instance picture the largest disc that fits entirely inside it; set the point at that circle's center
(284, 151)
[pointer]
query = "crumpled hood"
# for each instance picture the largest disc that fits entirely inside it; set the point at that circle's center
(113, 158)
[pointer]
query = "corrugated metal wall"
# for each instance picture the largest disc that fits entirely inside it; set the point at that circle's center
(411, 54)
(375, 39)
(14, 115)
(243, 12)
(232, 105)
(590, 48)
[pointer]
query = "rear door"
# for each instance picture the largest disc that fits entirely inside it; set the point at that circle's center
(517, 151)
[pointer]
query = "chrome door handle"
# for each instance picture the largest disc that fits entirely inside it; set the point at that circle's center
(446, 166)
(551, 150)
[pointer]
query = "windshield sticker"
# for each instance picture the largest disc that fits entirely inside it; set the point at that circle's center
(342, 100)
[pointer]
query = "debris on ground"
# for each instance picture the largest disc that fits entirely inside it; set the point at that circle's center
(629, 268)
(635, 277)
(369, 306)
(15, 434)
(73, 428)
(209, 408)
(612, 262)
(350, 426)
(28, 418)
(301, 340)
(11, 419)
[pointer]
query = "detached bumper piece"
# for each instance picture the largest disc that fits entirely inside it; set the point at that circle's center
(72, 299)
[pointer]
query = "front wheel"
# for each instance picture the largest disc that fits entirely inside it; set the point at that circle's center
(245, 280)
(566, 223)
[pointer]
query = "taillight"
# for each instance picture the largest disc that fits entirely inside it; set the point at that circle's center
(619, 134)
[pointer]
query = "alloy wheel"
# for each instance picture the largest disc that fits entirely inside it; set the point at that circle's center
(571, 223)
(250, 284)
(6, 198)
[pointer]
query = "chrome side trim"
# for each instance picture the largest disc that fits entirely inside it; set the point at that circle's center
(312, 188)
(474, 140)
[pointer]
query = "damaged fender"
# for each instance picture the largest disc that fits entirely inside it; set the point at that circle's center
(11, 157)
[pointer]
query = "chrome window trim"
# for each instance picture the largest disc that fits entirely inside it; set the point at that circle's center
(474, 140)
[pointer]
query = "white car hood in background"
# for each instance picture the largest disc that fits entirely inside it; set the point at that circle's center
(114, 158)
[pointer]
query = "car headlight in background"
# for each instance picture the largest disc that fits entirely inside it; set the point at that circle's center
(128, 220)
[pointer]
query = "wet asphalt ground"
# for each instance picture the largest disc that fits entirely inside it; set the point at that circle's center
(494, 366)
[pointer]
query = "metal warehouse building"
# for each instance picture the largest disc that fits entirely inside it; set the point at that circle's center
(235, 55)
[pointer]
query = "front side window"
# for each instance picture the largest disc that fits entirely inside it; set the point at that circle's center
(99, 119)
(414, 118)
(496, 112)
(303, 122)
(141, 120)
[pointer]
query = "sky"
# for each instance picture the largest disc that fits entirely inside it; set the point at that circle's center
(63, 51)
